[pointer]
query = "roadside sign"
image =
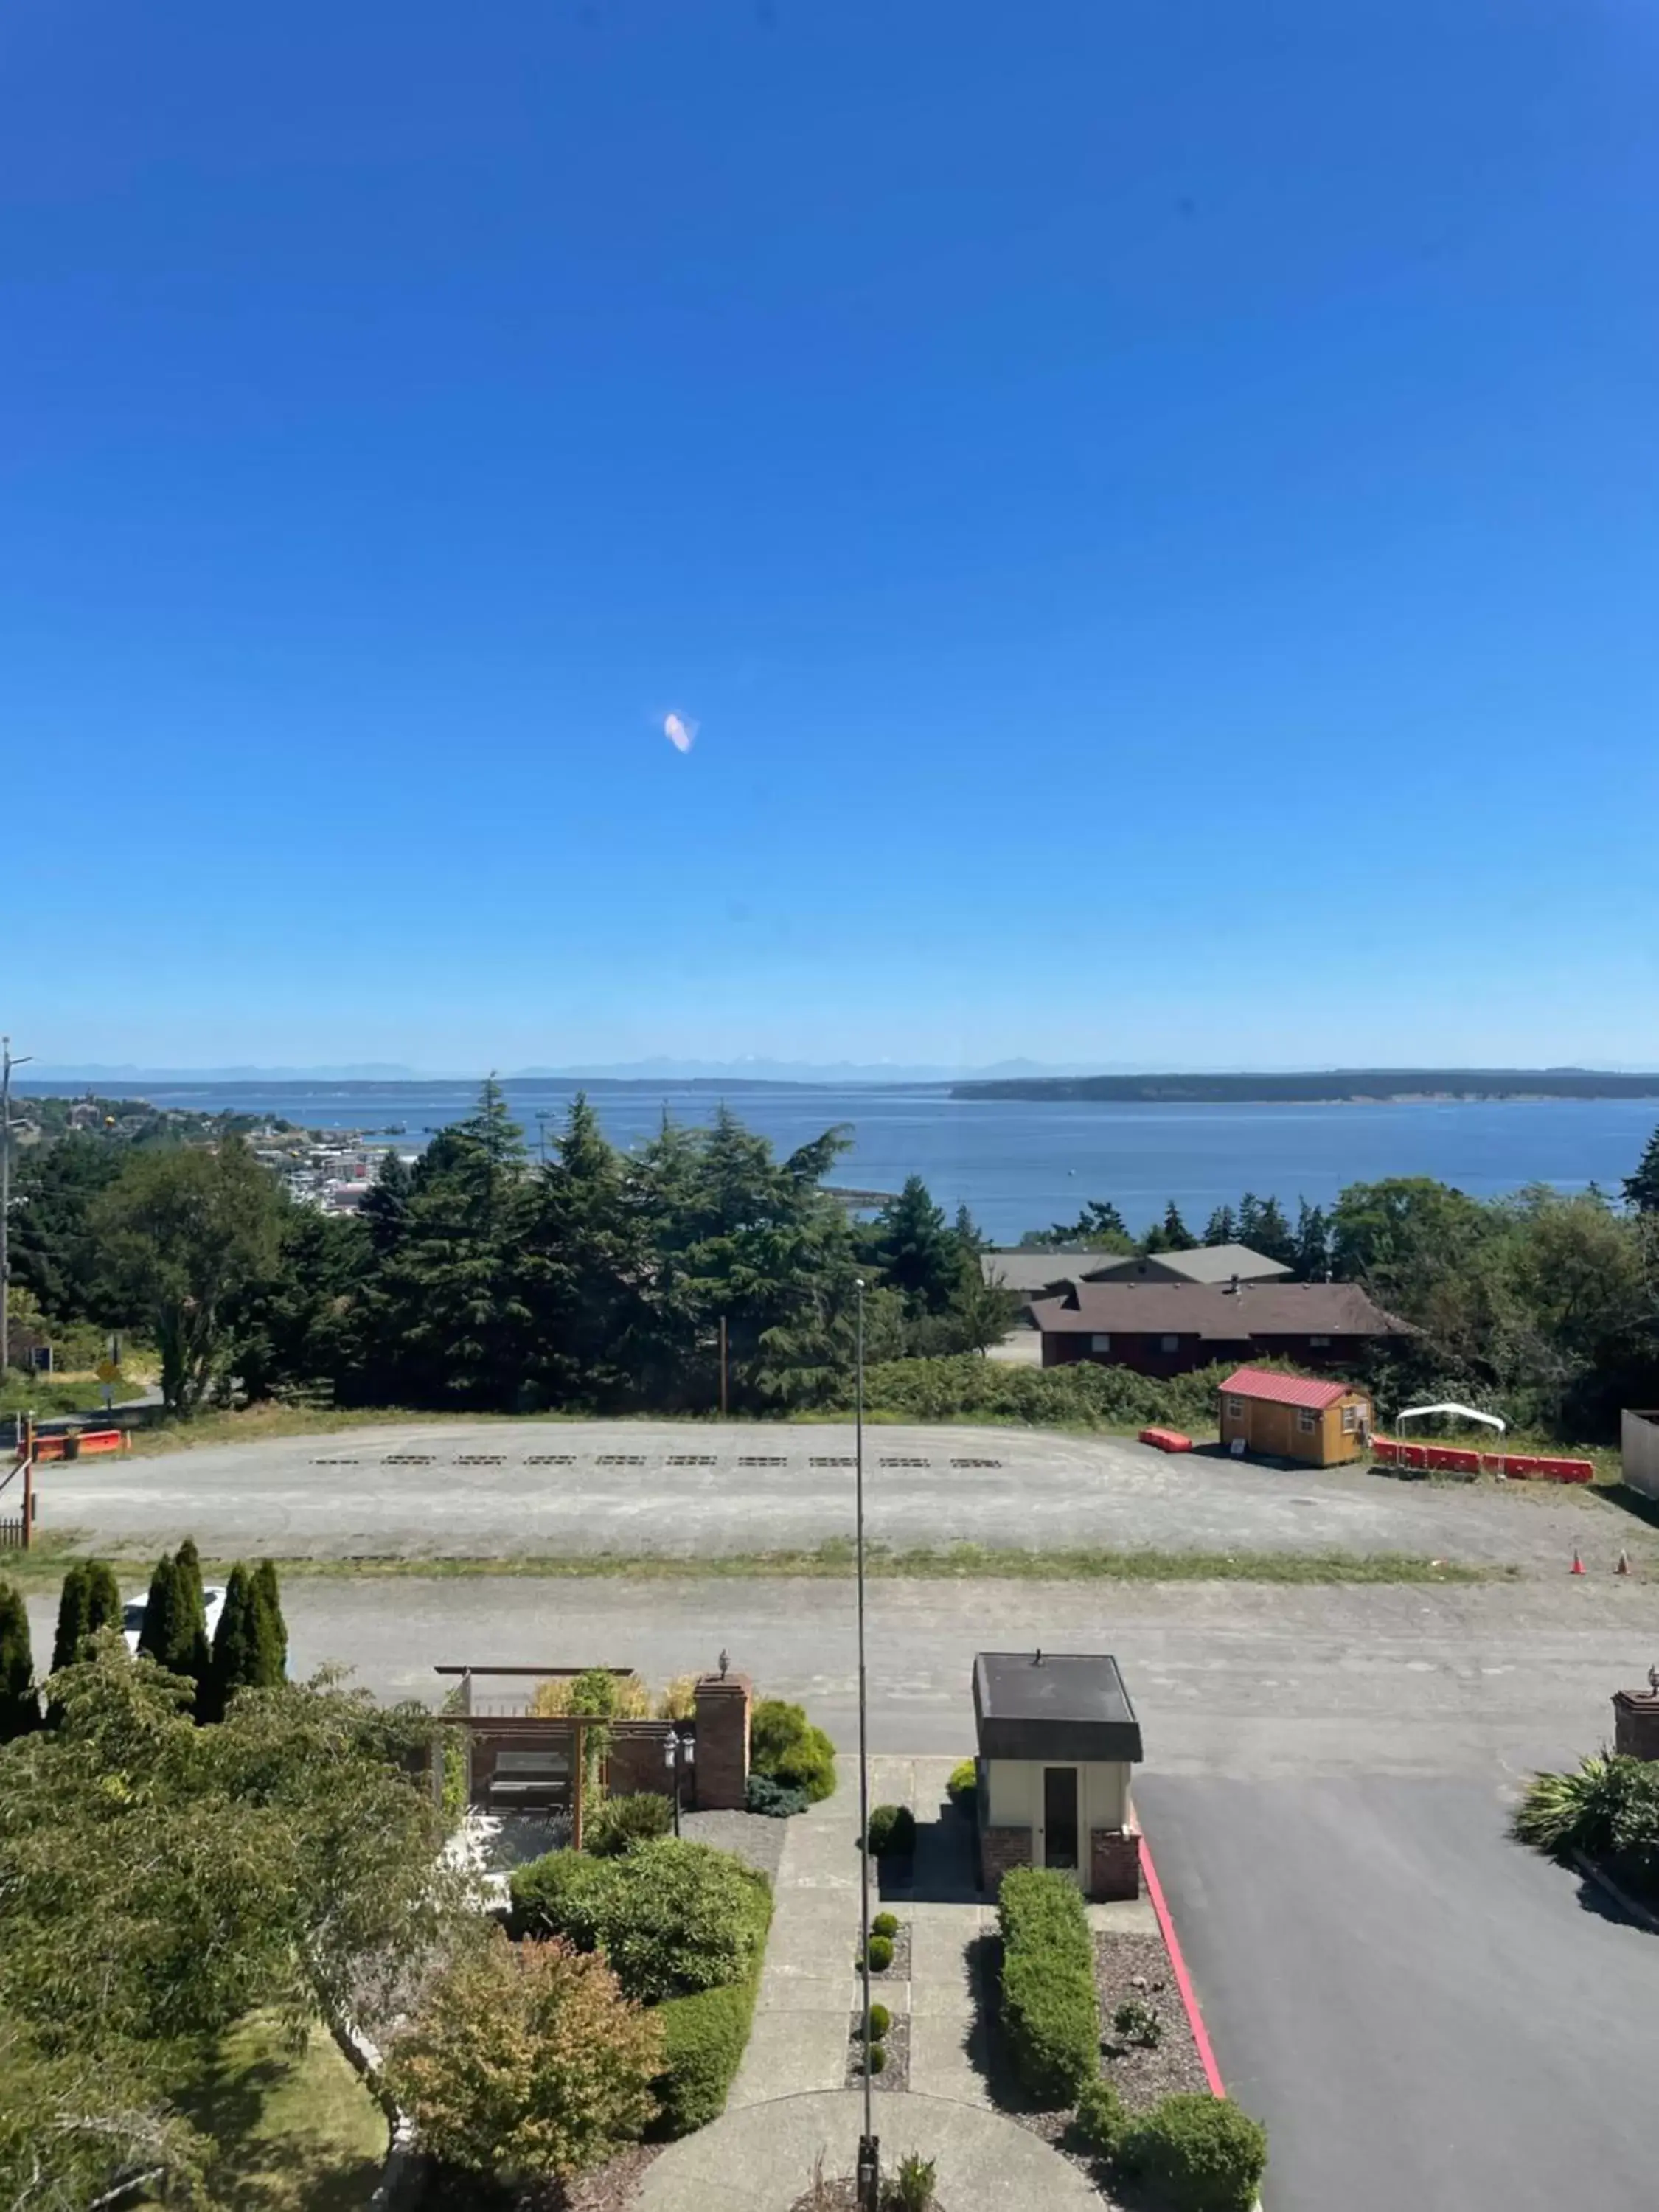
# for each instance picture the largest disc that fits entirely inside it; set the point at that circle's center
(107, 1371)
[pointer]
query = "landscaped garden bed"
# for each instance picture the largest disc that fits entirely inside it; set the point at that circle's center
(890, 1948)
(890, 2037)
(1147, 2041)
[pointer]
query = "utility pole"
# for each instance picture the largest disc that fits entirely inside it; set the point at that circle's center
(869, 2164)
(7, 1064)
(724, 1385)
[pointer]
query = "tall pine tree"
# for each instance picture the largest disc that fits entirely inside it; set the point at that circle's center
(1642, 1190)
(71, 1617)
(273, 1629)
(20, 1706)
(248, 1644)
(164, 1615)
(194, 1658)
(1221, 1228)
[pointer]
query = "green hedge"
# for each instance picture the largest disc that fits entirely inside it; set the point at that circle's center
(1202, 2154)
(1050, 2013)
(705, 2037)
(1084, 1394)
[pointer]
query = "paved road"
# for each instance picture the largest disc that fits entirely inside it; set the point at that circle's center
(493, 1488)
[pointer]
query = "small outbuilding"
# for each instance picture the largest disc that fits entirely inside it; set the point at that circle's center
(1058, 1739)
(1294, 1417)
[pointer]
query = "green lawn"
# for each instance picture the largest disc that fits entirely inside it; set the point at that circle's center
(298, 2132)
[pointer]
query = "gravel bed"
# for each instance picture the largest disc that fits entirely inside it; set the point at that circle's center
(755, 1838)
(900, 1969)
(895, 2074)
(1138, 1967)
(836, 2193)
(611, 2187)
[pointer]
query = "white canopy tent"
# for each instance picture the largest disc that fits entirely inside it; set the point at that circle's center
(1455, 1413)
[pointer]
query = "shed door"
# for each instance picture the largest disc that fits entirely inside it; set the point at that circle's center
(1059, 1817)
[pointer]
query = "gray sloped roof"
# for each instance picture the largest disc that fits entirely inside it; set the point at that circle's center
(1216, 1315)
(1027, 1273)
(1204, 1263)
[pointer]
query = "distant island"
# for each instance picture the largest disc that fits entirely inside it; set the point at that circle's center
(1335, 1086)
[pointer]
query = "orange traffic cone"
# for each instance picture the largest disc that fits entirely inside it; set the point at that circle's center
(1578, 1566)
(1623, 1567)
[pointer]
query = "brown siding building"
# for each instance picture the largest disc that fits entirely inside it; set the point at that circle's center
(1170, 1329)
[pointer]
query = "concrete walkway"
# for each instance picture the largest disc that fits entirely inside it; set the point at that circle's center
(761, 2158)
(804, 2010)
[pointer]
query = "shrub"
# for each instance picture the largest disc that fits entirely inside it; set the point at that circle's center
(964, 1785)
(884, 1924)
(786, 1747)
(675, 1917)
(526, 2060)
(1134, 2021)
(1610, 1805)
(881, 1954)
(1050, 2015)
(892, 1832)
(1201, 2152)
(679, 1700)
(704, 2038)
(552, 1896)
(622, 1821)
(1083, 1395)
(599, 1694)
(880, 2021)
(914, 2183)
(1101, 2119)
(875, 2058)
(19, 1708)
(764, 1795)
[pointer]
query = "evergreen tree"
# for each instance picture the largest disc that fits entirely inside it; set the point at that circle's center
(585, 1267)
(915, 1249)
(164, 1616)
(1313, 1245)
(103, 1597)
(273, 1629)
(19, 1707)
(966, 1231)
(385, 1208)
(193, 1654)
(1221, 1228)
(72, 1604)
(1176, 1236)
(1642, 1190)
(1099, 1228)
(234, 1658)
(1273, 1238)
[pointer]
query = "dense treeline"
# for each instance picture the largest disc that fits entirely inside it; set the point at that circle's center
(599, 1279)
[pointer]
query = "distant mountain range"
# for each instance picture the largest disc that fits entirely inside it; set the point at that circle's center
(662, 1070)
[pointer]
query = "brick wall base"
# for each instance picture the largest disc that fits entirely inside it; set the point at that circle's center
(1114, 1862)
(999, 1850)
(1636, 1725)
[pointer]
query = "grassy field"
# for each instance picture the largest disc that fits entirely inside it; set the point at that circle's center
(296, 2131)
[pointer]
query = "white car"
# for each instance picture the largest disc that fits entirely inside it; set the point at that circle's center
(132, 1613)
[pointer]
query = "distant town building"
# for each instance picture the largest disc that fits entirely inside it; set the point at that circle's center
(1204, 1263)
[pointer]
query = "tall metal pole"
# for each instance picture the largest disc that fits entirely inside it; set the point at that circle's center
(725, 1370)
(869, 2171)
(7, 1064)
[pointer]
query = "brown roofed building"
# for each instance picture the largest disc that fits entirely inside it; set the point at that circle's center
(1170, 1329)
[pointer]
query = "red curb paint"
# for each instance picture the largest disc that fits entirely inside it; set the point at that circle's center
(1183, 1979)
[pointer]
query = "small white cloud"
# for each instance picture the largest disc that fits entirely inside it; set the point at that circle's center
(680, 730)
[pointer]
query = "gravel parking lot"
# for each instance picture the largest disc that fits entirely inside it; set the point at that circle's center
(497, 1489)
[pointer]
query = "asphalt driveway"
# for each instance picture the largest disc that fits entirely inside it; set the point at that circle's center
(1425, 2015)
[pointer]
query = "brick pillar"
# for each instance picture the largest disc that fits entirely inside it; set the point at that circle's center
(722, 1763)
(999, 1850)
(1114, 1862)
(1636, 1724)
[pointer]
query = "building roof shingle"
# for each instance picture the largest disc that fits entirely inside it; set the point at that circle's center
(1204, 1263)
(1254, 1311)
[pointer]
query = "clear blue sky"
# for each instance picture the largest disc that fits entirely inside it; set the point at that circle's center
(1154, 508)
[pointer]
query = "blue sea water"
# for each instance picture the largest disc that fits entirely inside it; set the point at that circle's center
(1019, 1165)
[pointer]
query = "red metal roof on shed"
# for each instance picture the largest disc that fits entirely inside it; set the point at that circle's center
(1283, 1389)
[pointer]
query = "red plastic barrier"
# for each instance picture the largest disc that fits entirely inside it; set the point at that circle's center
(1166, 1440)
(1526, 1466)
(102, 1440)
(1516, 1466)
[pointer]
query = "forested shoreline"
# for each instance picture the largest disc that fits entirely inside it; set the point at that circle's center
(600, 1280)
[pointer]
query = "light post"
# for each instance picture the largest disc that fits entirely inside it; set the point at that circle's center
(676, 1755)
(869, 2166)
